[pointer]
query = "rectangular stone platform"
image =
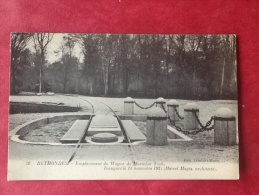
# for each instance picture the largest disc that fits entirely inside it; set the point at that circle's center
(133, 131)
(75, 133)
(104, 124)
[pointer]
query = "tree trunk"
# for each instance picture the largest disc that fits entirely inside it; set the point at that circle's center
(64, 86)
(41, 72)
(106, 81)
(106, 87)
(90, 86)
(194, 81)
(12, 80)
(40, 87)
(222, 79)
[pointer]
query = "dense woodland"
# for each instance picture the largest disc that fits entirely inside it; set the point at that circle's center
(171, 66)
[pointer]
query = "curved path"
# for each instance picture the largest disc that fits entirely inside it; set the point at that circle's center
(19, 151)
(92, 104)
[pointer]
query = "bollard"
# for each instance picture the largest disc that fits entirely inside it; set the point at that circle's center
(190, 122)
(225, 132)
(128, 106)
(171, 106)
(156, 127)
(161, 103)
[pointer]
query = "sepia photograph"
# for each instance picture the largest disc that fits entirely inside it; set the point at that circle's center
(123, 107)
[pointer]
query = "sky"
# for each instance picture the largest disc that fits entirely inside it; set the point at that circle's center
(54, 45)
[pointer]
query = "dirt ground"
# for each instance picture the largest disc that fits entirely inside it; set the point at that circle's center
(50, 133)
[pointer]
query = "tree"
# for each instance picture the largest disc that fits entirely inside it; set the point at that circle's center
(89, 44)
(54, 73)
(19, 42)
(107, 54)
(228, 65)
(144, 43)
(179, 66)
(66, 50)
(41, 41)
(157, 62)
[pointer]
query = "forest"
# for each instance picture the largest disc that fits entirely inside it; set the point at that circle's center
(201, 67)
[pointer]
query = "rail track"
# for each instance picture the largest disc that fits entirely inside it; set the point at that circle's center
(80, 142)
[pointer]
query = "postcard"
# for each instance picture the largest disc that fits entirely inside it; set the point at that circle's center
(123, 107)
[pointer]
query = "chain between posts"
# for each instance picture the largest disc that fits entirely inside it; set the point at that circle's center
(206, 127)
(178, 128)
(195, 132)
(144, 107)
(177, 113)
(163, 107)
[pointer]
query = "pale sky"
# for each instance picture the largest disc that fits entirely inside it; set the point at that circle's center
(54, 45)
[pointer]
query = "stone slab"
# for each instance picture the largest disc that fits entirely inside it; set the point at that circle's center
(104, 124)
(178, 134)
(133, 131)
(104, 138)
(76, 131)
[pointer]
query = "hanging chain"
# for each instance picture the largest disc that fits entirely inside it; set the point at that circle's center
(144, 107)
(177, 113)
(178, 128)
(163, 107)
(206, 127)
(195, 132)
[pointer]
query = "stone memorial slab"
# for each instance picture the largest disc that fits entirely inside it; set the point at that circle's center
(75, 133)
(104, 124)
(133, 131)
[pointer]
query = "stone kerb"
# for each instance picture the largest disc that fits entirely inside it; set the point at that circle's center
(225, 132)
(190, 121)
(30, 107)
(161, 103)
(128, 106)
(173, 105)
(22, 129)
(156, 127)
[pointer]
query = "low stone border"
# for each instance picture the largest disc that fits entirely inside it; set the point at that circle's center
(119, 143)
(14, 133)
(30, 107)
(133, 117)
(47, 120)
